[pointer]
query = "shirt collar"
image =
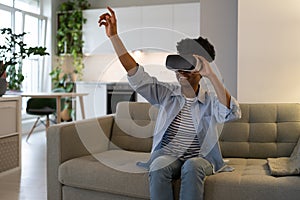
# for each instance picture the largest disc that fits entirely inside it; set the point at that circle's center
(200, 97)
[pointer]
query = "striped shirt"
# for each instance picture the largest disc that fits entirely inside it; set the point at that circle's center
(180, 139)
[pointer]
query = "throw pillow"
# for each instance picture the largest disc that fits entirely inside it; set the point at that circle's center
(286, 165)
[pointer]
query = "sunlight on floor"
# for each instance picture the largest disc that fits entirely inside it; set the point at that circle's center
(30, 182)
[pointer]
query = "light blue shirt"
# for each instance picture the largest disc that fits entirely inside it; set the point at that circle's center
(208, 114)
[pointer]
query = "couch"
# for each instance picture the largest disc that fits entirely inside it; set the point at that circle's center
(96, 158)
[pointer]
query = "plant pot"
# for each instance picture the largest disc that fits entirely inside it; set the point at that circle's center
(65, 115)
(3, 86)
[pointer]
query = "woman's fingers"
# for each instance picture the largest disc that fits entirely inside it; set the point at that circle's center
(103, 23)
(103, 19)
(109, 21)
(111, 11)
(104, 16)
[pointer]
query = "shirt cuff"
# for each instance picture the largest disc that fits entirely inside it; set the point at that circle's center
(226, 112)
(234, 109)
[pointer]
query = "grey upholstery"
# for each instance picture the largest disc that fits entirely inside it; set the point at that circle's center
(131, 178)
(95, 158)
(251, 180)
(265, 130)
(133, 127)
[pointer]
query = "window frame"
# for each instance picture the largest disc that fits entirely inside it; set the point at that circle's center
(42, 39)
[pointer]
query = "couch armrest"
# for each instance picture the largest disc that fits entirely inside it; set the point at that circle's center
(71, 140)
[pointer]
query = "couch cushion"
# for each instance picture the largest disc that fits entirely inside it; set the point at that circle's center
(251, 180)
(100, 172)
(134, 126)
(265, 130)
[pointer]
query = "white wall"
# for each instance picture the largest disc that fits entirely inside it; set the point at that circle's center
(107, 68)
(258, 47)
(269, 51)
(218, 22)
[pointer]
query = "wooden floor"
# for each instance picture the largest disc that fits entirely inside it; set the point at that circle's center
(29, 183)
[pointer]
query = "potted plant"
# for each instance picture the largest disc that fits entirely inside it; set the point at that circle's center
(12, 52)
(3, 83)
(61, 80)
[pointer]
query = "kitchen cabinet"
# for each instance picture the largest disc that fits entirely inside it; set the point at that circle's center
(94, 37)
(95, 102)
(103, 97)
(129, 26)
(10, 133)
(156, 28)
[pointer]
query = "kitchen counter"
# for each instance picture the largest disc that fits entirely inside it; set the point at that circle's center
(103, 96)
(109, 85)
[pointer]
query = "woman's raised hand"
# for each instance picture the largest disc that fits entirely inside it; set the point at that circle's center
(109, 21)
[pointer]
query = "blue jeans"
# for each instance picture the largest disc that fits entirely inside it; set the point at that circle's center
(192, 172)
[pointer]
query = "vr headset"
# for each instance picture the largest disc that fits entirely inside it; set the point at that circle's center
(182, 62)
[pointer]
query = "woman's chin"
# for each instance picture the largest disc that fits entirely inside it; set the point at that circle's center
(184, 82)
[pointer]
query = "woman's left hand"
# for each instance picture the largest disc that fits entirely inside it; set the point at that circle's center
(204, 67)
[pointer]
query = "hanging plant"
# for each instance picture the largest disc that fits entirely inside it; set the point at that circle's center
(61, 80)
(69, 45)
(69, 32)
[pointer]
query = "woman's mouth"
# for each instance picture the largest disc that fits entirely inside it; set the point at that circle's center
(181, 78)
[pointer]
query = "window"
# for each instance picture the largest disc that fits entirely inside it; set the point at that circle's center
(7, 2)
(28, 5)
(4, 23)
(31, 71)
(7, 16)
(25, 16)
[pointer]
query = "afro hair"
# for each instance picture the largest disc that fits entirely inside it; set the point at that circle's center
(199, 46)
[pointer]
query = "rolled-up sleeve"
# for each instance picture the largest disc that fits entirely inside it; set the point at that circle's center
(147, 86)
(224, 114)
(139, 78)
(234, 112)
(135, 80)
